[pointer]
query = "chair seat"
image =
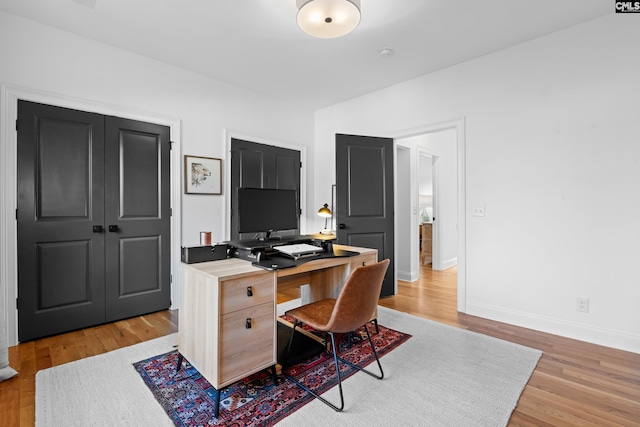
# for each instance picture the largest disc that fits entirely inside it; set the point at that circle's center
(315, 314)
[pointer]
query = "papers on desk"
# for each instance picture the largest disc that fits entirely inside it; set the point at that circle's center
(299, 250)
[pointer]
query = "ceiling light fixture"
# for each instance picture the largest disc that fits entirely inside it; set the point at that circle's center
(328, 19)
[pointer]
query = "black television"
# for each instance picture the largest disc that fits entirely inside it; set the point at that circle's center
(262, 210)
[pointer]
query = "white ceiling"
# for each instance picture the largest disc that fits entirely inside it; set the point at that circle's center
(256, 44)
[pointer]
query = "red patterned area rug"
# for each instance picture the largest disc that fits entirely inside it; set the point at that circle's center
(188, 398)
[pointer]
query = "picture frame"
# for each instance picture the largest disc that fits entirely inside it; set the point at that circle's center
(202, 175)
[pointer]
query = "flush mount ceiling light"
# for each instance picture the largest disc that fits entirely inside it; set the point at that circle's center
(328, 19)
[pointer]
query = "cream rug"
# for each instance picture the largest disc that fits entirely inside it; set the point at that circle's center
(443, 376)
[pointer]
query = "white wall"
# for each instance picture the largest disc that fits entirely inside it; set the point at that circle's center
(45, 59)
(405, 217)
(552, 152)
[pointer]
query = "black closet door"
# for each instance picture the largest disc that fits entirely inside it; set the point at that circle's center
(93, 219)
(256, 165)
(61, 275)
(137, 218)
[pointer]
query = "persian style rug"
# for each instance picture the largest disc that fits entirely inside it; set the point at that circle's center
(189, 399)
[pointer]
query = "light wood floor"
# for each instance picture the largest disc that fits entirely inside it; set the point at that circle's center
(574, 384)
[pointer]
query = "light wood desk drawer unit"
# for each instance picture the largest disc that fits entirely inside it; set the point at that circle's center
(227, 324)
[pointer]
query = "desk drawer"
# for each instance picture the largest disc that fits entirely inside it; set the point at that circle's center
(236, 297)
(244, 349)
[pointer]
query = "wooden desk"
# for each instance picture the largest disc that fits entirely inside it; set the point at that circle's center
(228, 331)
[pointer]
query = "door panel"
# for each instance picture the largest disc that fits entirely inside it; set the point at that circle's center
(135, 252)
(256, 165)
(60, 199)
(287, 170)
(364, 191)
(139, 160)
(69, 260)
(137, 218)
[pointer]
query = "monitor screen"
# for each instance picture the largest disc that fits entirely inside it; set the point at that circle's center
(265, 210)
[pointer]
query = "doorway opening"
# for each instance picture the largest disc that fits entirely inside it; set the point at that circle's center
(435, 185)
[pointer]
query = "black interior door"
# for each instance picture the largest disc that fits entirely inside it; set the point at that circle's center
(137, 218)
(61, 275)
(364, 194)
(256, 165)
(93, 219)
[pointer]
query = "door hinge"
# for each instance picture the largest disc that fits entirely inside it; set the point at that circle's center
(17, 124)
(171, 278)
(170, 211)
(170, 145)
(17, 304)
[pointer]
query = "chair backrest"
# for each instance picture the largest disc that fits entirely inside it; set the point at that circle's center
(358, 298)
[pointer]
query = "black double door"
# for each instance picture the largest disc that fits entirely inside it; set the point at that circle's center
(93, 219)
(255, 165)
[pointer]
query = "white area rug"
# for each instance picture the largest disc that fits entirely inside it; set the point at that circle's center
(442, 376)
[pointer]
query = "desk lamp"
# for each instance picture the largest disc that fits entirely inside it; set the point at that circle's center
(326, 213)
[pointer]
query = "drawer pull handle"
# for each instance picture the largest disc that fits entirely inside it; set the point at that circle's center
(249, 291)
(247, 325)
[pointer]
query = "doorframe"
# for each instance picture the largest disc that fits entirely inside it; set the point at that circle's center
(459, 125)
(231, 134)
(436, 183)
(9, 96)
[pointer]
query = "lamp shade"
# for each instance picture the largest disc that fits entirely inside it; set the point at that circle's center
(327, 19)
(324, 211)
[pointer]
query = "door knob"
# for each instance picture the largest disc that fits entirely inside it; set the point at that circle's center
(342, 226)
(113, 228)
(97, 229)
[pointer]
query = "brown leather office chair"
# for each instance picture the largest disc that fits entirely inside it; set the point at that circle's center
(354, 307)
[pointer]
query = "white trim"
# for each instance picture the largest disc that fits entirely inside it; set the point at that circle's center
(459, 125)
(452, 262)
(578, 331)
(436, 175)
(228, 134)
(9, 96)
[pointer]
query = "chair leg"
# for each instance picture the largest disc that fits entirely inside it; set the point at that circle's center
(336, 358)
(375, 322)
(375, 354)
(317, 396)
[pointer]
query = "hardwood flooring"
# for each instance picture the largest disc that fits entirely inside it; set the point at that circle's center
(574, 384)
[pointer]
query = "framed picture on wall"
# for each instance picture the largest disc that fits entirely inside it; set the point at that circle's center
(202, 175)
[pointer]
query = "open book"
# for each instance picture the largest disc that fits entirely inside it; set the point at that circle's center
(298, 250)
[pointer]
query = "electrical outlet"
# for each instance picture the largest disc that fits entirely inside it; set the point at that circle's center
(478, 210)
(582, 304)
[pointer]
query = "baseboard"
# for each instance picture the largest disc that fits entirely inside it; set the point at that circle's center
(410, 276)
(450, 263)
(600, 336)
